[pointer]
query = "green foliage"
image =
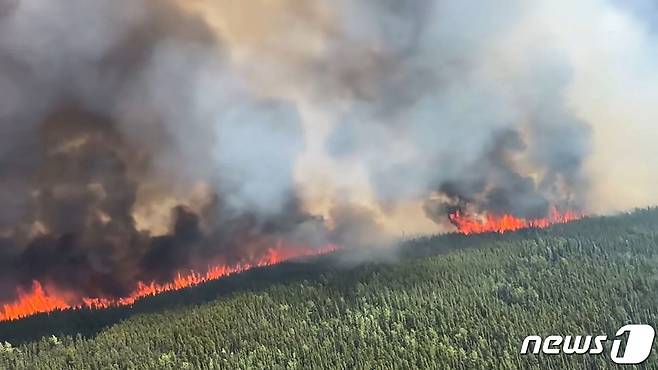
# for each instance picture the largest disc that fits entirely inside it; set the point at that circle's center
(449, 302)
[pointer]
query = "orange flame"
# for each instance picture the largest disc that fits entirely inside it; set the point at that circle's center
(43, 300)
(490, 223)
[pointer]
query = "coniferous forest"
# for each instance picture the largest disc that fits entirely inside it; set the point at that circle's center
(443, 302)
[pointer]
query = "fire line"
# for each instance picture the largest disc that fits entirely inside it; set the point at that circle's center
(40, 299)
(491, 223)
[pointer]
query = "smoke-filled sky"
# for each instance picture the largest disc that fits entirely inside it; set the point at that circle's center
(139, 137)
(401, 98)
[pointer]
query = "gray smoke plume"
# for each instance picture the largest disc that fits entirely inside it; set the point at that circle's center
(110, 106)
(432, 117)
(139, 138)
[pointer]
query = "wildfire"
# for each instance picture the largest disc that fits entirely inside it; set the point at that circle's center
(43, 300)
(467, 224)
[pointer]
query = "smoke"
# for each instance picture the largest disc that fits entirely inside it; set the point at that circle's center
(424, 104)
(407, 98)
(140, 138)
(131, 150)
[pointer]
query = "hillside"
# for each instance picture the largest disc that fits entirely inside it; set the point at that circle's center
(448, 301)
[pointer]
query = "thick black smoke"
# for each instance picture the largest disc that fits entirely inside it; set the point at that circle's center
(79, 232)
(102, 115)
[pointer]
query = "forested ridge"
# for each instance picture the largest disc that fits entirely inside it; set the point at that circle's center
(443, 302)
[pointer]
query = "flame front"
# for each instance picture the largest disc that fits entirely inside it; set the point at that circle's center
(44, 299)
(491, 223)
(41, 299)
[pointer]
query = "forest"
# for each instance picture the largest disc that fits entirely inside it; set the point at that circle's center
(441, 302)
